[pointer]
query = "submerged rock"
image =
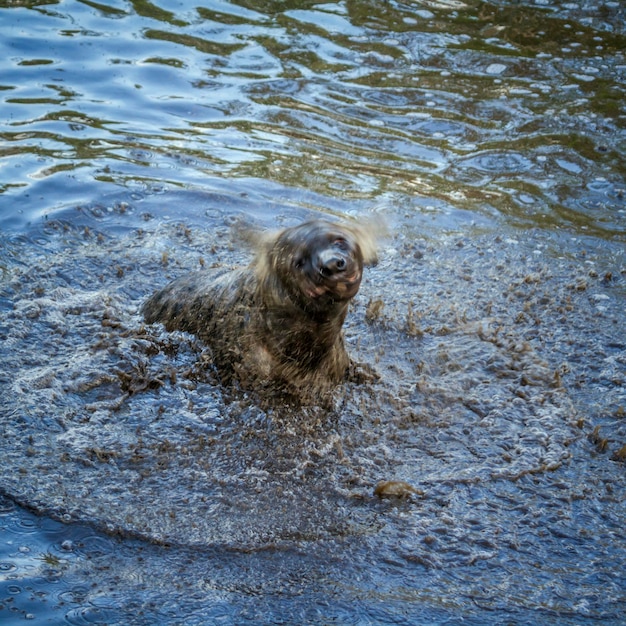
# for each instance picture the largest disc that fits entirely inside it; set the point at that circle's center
(396, 489)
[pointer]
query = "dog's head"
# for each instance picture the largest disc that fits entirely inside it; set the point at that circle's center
(320, 263)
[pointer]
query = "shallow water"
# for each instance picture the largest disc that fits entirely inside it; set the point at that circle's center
(490, 137)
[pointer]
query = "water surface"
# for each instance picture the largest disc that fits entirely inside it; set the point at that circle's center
(490, 137)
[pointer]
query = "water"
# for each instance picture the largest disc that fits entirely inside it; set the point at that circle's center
(490, 137)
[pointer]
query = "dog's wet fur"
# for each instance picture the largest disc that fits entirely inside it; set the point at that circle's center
(278, 322)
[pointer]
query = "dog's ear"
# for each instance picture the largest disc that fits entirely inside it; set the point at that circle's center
(261, 243)
(245, 233)
(252, 236)
(367, 234)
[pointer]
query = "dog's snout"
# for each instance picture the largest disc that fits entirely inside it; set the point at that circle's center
(330, 262)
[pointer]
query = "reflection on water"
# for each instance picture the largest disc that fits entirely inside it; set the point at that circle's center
(349, 97)
(491, 137)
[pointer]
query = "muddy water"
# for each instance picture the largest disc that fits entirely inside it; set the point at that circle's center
(490, 137)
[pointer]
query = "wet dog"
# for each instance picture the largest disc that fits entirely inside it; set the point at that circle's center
(277, 322)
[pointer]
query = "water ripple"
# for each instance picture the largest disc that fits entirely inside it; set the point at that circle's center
(93, 616)
(390, 81)
(498, 162)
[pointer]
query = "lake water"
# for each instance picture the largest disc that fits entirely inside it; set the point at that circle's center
(490, 138)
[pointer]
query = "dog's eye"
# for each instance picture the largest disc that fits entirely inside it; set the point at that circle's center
(340, 242)
(299, 262)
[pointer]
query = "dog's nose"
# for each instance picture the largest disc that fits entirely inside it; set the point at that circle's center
(330, 262)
